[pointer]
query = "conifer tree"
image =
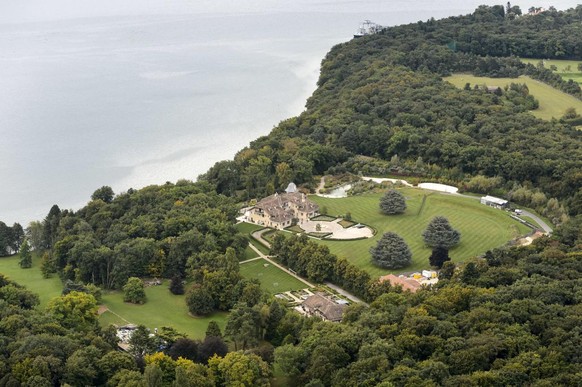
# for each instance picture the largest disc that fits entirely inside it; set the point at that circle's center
(439, 233)
(25, 255)
(391, 252)
(393, 202)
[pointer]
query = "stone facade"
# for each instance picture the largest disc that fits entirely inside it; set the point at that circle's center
(279, 210)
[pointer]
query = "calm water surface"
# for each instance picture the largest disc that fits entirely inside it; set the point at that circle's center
(142, 93)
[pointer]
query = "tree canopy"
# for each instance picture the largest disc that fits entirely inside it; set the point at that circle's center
(391, 252)
(133, 291)
(439, 233)
(393, 202)
(511, 318)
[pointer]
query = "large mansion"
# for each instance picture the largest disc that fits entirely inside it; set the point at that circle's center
(279, 210)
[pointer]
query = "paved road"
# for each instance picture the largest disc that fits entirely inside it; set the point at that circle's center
(259, 236)
(321, 185)
(543, 224)
(536, 218)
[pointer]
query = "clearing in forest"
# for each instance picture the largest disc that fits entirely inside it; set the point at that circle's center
(567, 69)
(482, 228)
(32, 278)
(161, 309)
(553, 103)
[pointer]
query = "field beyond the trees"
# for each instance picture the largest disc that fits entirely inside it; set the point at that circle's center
(553, 103)
(482, 228)
(567, 69)
(161, 309)
(32, 278)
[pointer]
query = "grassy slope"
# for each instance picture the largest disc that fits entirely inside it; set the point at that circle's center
(273, 279)
(553, 103)
(32, 278)
(161, 309)
(249, 228)
(572, 74)
(482, 228)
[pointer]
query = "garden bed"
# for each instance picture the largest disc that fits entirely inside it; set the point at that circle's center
(295, 229)
(319, 234)
(346, 223)
(323, 218)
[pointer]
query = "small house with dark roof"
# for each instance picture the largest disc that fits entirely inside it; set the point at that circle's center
(324, 308)
(279, 210)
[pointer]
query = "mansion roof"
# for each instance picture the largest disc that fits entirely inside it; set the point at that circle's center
(278, 206)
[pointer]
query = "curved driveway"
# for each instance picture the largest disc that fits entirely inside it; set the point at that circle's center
(539, 221)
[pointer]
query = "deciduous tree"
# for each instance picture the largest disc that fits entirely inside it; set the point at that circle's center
(199, 300)
(104, 193)
(239, 369)
(212, 345)
(134, 291)
(75, 310)
(185, 348)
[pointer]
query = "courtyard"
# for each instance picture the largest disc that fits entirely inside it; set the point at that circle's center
(336, 230)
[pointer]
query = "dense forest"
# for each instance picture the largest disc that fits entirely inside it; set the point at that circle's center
(512, 317)
(382, 98)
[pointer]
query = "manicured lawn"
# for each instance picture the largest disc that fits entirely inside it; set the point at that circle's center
(553, 103)
(482, 228)
(324, 218)
(32, 278)
(565, 73)
(249, 254)
(273, 279)
(249, 228)
(295, 228)
(161, 309)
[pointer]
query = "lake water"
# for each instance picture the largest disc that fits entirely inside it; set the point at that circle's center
(133, 93)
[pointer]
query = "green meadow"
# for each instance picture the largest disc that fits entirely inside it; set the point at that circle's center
(162, 308)
(567, 69)
(273, 279)
(32, 278)
(553, 103)
(249, 228)
(482, 227)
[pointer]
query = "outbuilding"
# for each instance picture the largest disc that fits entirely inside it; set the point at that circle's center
(494, 202)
